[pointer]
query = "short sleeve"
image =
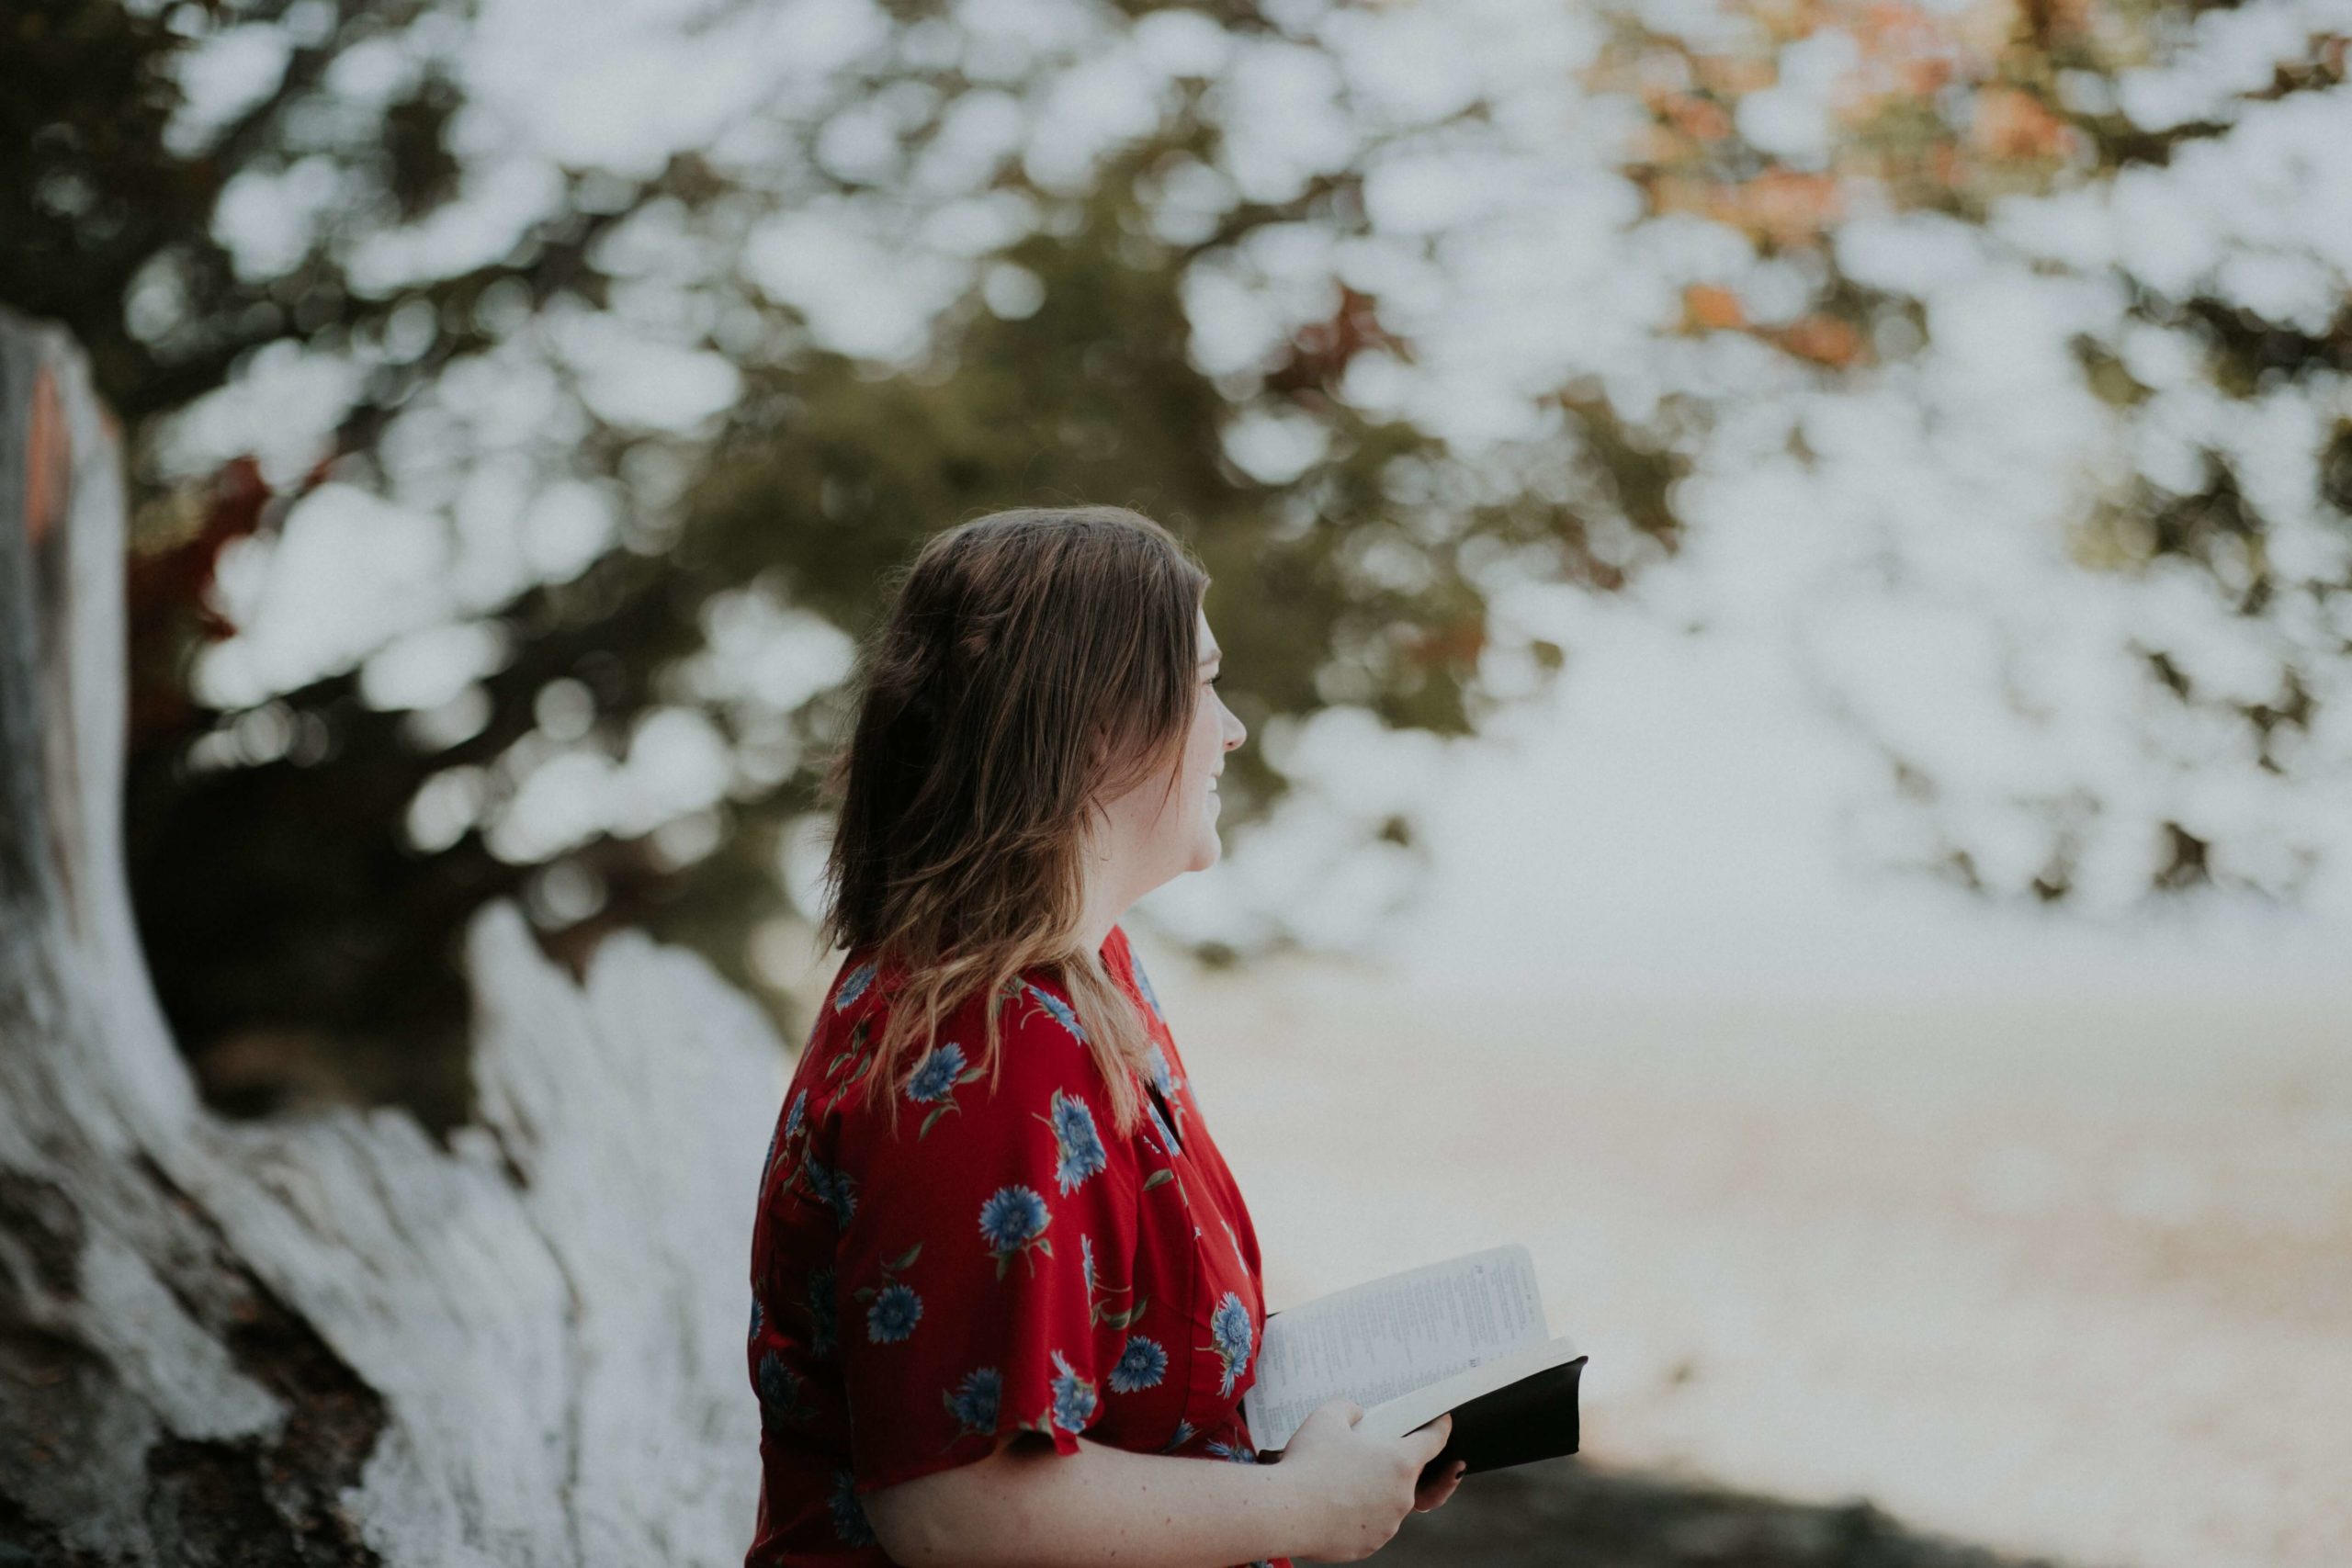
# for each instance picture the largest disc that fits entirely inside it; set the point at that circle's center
(973, 1244)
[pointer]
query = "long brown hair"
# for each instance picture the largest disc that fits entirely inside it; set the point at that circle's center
(1033, 663)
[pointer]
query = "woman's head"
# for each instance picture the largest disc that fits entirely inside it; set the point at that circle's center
(1035, 744)
(1163, 822)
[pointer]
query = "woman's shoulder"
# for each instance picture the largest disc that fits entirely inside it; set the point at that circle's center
(1036, 1028)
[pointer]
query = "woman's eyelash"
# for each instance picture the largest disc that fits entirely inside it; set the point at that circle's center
(1217, 679)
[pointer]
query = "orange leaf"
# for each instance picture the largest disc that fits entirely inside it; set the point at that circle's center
(1699, 119)
(1825, 340)
(1709, 308)
(2008, 124)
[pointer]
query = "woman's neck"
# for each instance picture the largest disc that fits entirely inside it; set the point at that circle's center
(1109, 893)
(1095, 930)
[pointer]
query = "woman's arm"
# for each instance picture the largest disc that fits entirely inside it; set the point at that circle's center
(1030, 1508)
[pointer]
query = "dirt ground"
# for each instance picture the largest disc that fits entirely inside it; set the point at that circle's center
(2062, 1277)
(1567, 1511)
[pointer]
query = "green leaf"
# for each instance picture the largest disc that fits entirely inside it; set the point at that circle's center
(929, 1121)
(863, 1292)
(904, 1260)
(1156, 1178)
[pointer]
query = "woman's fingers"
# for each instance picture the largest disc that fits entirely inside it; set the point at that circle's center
(1331, 1416)
(1434, 1495)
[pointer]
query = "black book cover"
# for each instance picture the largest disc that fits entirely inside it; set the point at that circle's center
(1516, 1424)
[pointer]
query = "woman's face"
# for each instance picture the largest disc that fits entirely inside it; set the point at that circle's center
(1162, 831)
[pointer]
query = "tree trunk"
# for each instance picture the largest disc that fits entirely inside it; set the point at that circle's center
(332, 1340)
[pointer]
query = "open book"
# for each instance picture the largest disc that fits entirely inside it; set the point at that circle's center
(1466, 1335)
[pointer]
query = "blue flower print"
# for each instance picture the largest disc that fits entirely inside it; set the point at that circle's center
(1073, 1397)
(842, 1196)
(1230, 1327)
(1014, 1219)
(849, 1514)
(1241, 1453)
(975, 1401)
(1063, 1013)
(853, 985)
(934, 1081)
(821, 1314)
(891, 1307)
(1078, 1146)
(784, 1134)
(1182, 1434)
(780, 1387)
(756, 1318)
(1167, 1134)
(1143, 983)
(893, 1315)
(1163, 1077)
(1099, 1311)
(935, 1078)
(1073, 1123)
(1142, 1363)
(836, 1189)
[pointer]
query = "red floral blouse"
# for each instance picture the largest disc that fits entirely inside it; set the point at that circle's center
(1008, 1262)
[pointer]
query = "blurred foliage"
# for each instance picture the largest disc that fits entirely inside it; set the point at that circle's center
(302, 868)
(303, 861)
(1950, 111)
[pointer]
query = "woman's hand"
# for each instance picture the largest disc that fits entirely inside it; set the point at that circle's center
(1432, 1494)
(1358, 1489)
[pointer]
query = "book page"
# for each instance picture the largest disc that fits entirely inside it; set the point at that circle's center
(1373, 1342)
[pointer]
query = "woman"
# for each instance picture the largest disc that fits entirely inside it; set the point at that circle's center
(1005, 1291)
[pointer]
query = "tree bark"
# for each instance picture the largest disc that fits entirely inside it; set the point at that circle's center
(332, 1339)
